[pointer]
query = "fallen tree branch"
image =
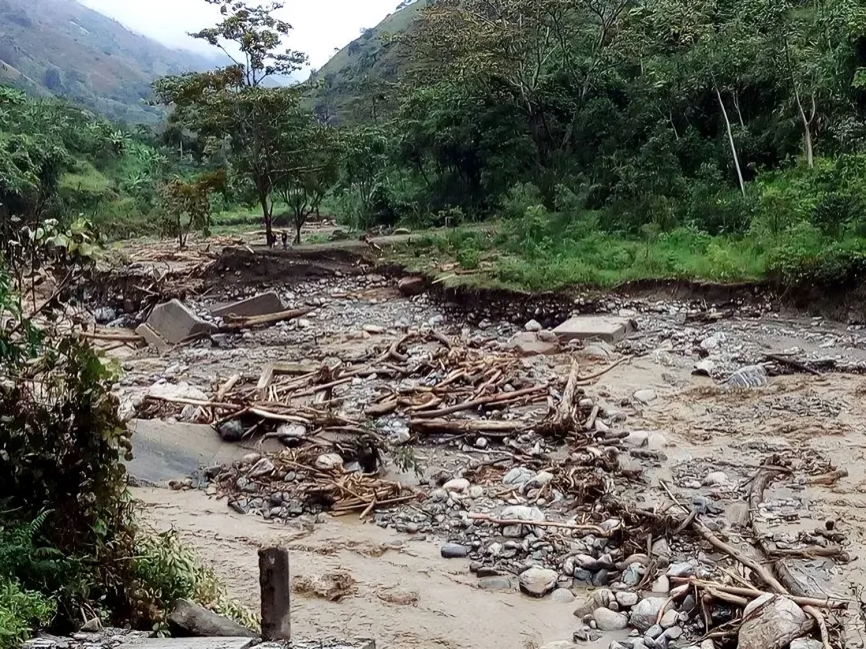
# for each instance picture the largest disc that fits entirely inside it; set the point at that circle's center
(484, 401)
(233, 323)
(566, 526)
(607, 369)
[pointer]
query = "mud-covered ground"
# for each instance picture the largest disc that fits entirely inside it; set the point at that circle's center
(407, 595)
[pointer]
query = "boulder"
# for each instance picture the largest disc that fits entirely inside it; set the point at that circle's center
(189, 619)
(174, 322)
(772, 622)
(410, 286)
(538, 581)
(645, 613)
(608, 620)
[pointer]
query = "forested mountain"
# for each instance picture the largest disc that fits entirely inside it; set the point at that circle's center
(64, 48)
(356, 85)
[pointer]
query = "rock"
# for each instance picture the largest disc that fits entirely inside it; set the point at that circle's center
(604, 328)
(529, 344)
(251, 458)
(647, 395)
(538, 581)
(563, 596)
(481, 443)
(632, 575)
(476, 491)
(495, 583)
(104, 315)
(547, 336)
(712, 342)
(328, 461)
(806, 643)
(522, 513)
(93, 625)
(261, 468)
(662, 549)
(661, 585)
(598, 350)
(716, 478)
(303, 323)
(182, 390)
(533, 326)
(231, 431)
(411, 286)
(669, 619)
(608, 620)
(454, 551)
(518, 475)
(190, 619)
(292, 431)
(709, 644)
(598, 599)
(673, 633)
(637, 438)
(772, 622)
(654, 631)
(174, 322)
(626, 599)
(262, 304)
(457, 484)
(645, 613)
(682, 569)
(560, 644)
(752, 376)
(704, 367)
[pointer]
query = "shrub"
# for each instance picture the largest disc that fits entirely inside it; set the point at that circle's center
(20, 610)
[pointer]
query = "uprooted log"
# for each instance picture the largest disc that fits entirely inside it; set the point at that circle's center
(491, 428)
(235, 323)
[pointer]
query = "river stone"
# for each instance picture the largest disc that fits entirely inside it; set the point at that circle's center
(538, 581)
(261, 468)
(562, 595)
(518, 475)
(753, 376)
(626, 599)
(454, 551)
(458, 484)
(806, 643)
(533, 326)
(231, 431)
(647, 395)
(669, 619)
(646, 612)
(608, 620)
(632, 575)
(661, 585)
(522, 513)
(682, 569)
(772, 622)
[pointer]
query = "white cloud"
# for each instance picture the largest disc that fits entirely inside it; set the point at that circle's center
(320, 26)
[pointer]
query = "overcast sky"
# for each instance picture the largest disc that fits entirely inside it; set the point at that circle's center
(319, 25)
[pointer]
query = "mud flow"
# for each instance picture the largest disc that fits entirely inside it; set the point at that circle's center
(455, 469)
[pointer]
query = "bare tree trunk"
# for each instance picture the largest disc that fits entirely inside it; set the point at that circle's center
(807, 127)
(731, 140)
(737, 107)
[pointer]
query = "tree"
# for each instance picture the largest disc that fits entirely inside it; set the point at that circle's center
(364, 158)
(232, 107)
(310, 167)
(187, 204)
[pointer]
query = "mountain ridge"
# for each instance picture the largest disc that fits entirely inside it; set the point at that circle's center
(66, 49)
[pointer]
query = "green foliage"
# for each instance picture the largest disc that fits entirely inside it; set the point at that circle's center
(166, 570)
(20, 611)
(187, 205)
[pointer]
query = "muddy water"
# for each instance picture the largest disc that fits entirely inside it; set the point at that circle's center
(449, 611)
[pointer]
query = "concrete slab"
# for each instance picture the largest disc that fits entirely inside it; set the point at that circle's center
(263, 304)
(152, 338)
(187, 643)
(528, 343)
(609, 329)
(174, 322)
(164, 451)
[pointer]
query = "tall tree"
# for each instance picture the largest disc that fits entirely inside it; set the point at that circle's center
(233, 107)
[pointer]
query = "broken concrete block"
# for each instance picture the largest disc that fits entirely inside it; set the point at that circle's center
(263, 304)
(188, 618)
(152, 338)
(527, 343)
(174, 322)
(137, 642)
(609, 329)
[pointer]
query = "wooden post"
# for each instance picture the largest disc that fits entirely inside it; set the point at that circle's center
(276, 597)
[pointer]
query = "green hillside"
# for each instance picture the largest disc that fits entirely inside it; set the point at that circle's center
(354, 82)
(66, 49)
